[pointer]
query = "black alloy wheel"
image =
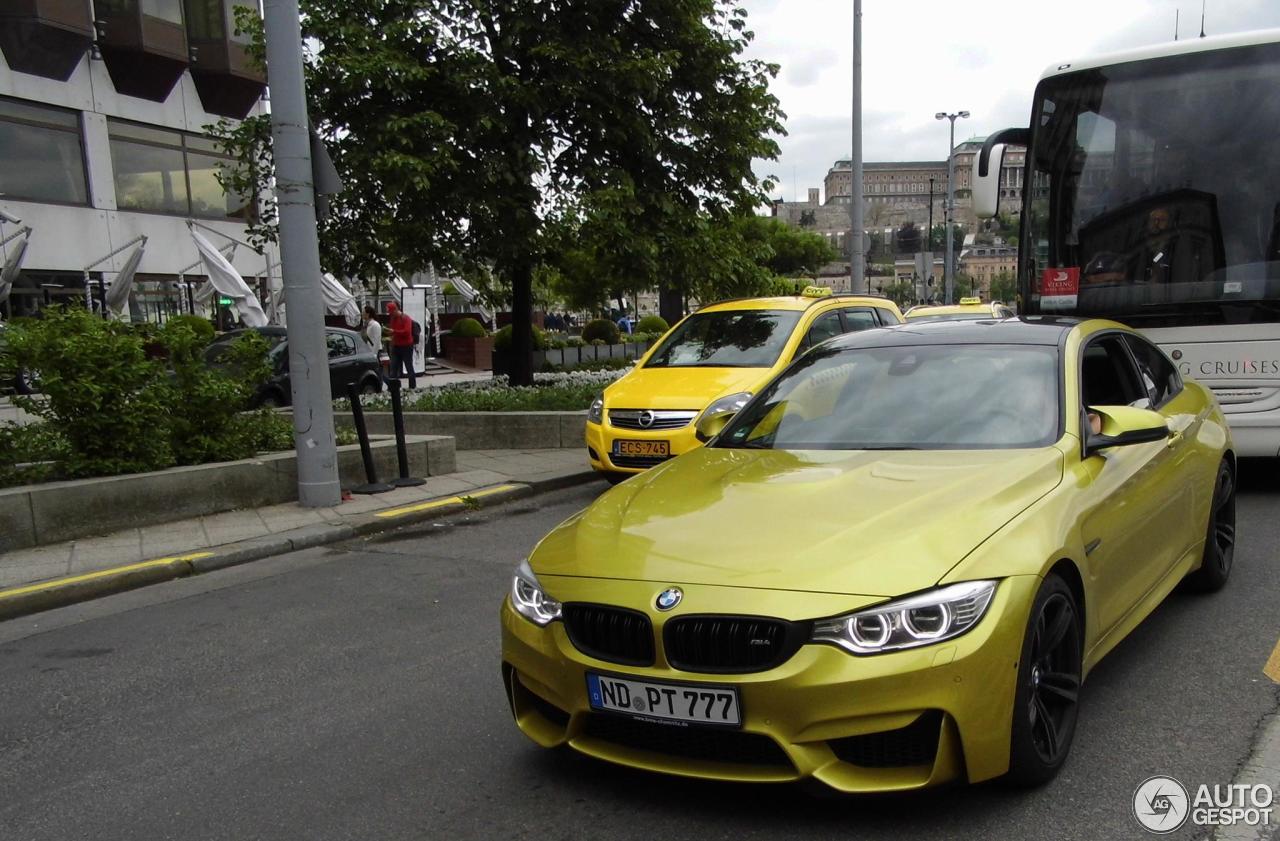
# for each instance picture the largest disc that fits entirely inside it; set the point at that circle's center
(1220, 539)
(1046, 702)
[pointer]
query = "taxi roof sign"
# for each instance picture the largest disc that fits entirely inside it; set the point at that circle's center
(816, 291)
(964, 301)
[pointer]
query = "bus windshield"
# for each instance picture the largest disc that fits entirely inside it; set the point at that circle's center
(1154, 195)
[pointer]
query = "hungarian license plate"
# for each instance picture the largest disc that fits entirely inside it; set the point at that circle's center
(672, 702)
(642, 448)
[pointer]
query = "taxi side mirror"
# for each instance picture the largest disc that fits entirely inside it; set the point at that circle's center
(1123, 426)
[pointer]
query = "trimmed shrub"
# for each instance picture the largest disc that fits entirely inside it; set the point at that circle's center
(468, 328)
(210, 426)
(653, 324)
(502, 339)
(202, 327)
(109, 402)
(602, 330)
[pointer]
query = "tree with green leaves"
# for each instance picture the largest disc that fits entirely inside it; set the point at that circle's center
(901, 292)
(464, 130)
(1004, 288)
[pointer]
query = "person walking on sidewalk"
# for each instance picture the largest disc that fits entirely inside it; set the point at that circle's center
(401, 344)
(371, 332)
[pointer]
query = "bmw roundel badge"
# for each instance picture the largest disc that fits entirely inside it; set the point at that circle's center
(669, 598)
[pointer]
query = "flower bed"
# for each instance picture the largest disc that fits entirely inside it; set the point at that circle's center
(564, 392)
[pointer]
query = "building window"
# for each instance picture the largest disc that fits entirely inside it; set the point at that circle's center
(42, 152)
(163, 171)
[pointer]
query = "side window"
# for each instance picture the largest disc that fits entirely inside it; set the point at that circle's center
(887, 316)
(340, 345)
(824, 327)
(1159, 376)
(1107, 376)
(859, 319)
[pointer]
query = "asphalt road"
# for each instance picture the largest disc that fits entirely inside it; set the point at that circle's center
(354, 692)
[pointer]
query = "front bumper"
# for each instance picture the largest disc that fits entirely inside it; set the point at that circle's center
(890, 722)
(601, 437)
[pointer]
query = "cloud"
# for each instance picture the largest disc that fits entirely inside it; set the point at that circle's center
(805, 70)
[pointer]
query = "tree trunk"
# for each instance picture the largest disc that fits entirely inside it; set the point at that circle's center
(521, 372)
(670, 305)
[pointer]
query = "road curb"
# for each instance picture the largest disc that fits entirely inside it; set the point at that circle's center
(23, 601)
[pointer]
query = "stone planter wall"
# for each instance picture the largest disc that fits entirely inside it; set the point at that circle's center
(572, 357)
(486, 430)
(36, 515)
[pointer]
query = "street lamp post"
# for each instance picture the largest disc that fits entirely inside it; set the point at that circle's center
(948, 271)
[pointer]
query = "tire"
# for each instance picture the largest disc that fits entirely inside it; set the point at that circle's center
(1046, 701)
(1220, 536)
(371, 386)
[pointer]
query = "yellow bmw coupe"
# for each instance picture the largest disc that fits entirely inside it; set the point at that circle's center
(896, 565)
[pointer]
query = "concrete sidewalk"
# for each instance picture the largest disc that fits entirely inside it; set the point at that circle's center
(236, 536)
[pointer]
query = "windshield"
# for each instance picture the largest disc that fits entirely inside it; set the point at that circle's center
(931, 397)
(1155, 191)
(726, 339)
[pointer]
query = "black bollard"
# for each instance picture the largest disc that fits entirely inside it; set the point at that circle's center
(402, 455)
(373, 486)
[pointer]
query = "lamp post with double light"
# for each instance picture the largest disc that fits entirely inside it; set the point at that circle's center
(949, 268)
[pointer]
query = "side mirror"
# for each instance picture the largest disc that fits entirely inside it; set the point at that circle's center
(987, 167)
(1123, 426)
(718, 415)
(986, 188)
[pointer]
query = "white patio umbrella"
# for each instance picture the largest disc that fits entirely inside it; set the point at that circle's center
(224, 277)
(117, 295)
(13, 264)
(339, 301)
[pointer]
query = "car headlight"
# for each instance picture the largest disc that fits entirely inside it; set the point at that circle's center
(529, 599)
(922, 619)
(596, 413)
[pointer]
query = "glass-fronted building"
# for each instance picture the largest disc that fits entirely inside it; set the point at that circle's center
(104, 113)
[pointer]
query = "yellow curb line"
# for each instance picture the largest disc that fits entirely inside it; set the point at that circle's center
(1272, 669)
(440, 503)
(102, 573)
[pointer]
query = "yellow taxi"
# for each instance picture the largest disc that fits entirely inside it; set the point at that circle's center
(713, 361)
(969, 309)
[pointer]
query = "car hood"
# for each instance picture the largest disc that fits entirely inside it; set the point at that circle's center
(855, 522)
(680, 388)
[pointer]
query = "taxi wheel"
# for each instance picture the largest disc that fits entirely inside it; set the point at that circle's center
(1220, 541)
(1046, 702)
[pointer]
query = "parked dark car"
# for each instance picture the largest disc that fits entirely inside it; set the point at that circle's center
(351, 360)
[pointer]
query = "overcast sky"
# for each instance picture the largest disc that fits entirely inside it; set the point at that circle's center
(925, 56)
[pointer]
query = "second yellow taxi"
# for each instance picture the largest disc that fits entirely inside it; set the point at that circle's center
(969, 309)
(713, 361)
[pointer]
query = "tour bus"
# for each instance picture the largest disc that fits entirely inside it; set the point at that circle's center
(1151, 195)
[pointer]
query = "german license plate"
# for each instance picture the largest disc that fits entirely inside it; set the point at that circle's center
(642, 448)
(672, 702)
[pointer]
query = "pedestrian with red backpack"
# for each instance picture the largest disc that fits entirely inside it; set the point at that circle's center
(401, 344)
